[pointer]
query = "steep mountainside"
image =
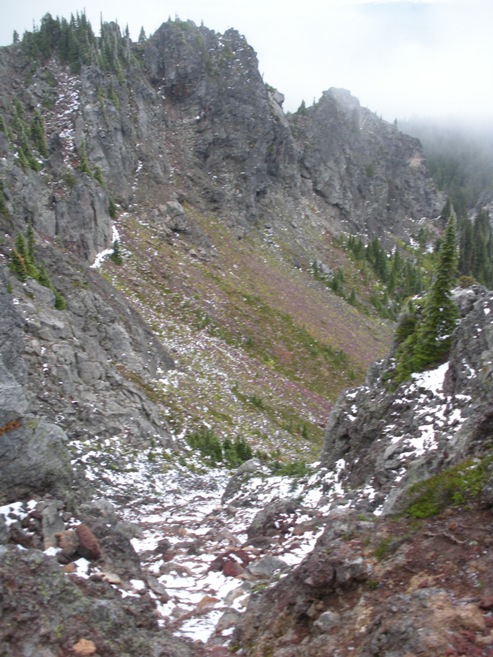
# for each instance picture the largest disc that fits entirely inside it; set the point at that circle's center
(418, 581)
(220, 213)
(171, 244)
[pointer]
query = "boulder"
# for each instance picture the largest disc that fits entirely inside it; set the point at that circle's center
(45, 612)
(34, 460)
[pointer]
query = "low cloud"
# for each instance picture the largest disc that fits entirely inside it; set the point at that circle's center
(399, 58)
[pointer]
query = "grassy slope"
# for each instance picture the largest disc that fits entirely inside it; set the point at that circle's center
(262, 349)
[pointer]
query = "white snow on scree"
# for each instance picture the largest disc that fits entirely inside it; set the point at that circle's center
(181, 507)
(182, 527)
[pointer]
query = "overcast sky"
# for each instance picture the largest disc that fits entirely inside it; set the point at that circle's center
(399, 58)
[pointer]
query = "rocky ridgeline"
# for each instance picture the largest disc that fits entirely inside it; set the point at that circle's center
(436, 419)
(350, 158)
(194, 121)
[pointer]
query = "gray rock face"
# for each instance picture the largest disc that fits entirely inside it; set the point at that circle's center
(194, 121)
(90, 366)
(33, 461)
(13, 401)
(78, 217)
(33, 456)
(234, 126)
(380, 438)
(11, 346)
(373, 176)
(87, 368)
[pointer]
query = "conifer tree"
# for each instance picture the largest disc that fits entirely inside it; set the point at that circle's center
(440, 313)
(20, 260)
(84, 163)
(3, 202)
(38, 134)
(424, 334)
(116, 256)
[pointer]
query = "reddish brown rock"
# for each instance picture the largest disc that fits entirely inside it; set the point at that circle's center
(218, 564)
(486, 602)
(232, 568)
(68, 541)
(88, 543)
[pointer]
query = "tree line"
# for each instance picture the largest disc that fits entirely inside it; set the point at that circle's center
(75, 44)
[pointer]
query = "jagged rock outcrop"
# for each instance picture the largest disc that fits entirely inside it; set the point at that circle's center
(382, 437)
(372, 177)
(90, 365)
(376, 588)
(194, 121)
(34, 459)
(229, 135)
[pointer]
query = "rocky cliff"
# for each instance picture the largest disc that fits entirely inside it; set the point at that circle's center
(440, 417)
(350, 158)
(176, 147)
(173, 157)
(401, 566)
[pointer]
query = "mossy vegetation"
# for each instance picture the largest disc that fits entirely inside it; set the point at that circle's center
(457, 485)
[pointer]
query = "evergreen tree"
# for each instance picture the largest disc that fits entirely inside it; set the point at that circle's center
(3, 202)
(424, 334)
(440, 313)
(21, 262)
(84, 163)
(112, 209)
(116, 256)
(405, 338)
(38, 134)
